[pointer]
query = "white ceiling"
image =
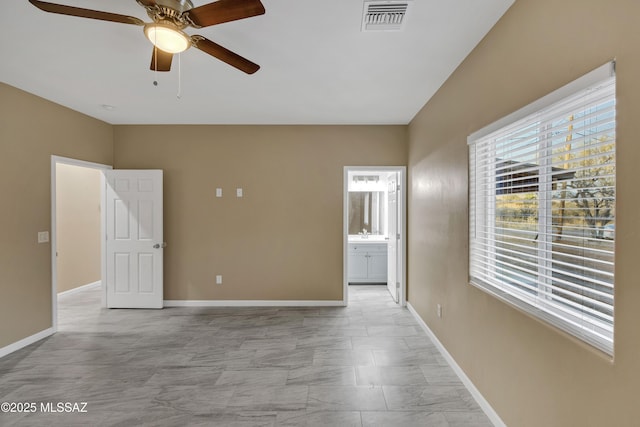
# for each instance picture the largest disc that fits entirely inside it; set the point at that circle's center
(317, 67)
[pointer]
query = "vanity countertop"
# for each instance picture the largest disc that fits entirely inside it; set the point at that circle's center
(368, 239)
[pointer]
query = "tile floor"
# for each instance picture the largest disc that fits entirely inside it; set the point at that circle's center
(368, 364)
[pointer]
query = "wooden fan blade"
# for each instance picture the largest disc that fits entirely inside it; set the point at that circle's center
(224, 54)
(162, 59)
(224, 11)
(85, 13)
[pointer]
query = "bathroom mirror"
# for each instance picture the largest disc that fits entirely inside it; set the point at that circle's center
(366, 212)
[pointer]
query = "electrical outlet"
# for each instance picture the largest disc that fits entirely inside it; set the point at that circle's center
(439, 311)
(218, 192)
(219, 279)
(238, 192)
(43, 236)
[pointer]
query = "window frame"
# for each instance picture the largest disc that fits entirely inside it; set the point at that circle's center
(543, 307)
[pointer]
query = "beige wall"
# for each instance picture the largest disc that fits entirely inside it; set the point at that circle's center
(31, 130)
(283, 239)
(77, 226)
(531, 374)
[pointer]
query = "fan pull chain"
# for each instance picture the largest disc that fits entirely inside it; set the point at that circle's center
(179, 76)
(155, 59)
(155, 71)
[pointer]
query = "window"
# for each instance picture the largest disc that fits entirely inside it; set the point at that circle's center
(542, 208)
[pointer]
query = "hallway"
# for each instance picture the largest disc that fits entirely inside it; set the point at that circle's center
(363, 365)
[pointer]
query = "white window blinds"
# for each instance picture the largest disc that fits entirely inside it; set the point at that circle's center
(542, 208)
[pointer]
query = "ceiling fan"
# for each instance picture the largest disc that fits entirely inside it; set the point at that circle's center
(169, 18)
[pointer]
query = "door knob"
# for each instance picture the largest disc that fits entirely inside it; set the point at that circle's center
(160, 245)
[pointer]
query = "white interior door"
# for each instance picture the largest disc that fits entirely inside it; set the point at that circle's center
(134, 242)
(394, 234)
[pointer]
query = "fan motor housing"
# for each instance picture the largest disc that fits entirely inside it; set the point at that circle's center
(163, 11)
(179, 6)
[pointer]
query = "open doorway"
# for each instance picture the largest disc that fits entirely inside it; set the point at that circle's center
(374, 230)
(76, 227)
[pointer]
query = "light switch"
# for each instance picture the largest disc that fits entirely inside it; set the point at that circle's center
(43, 236)
(238, 192)
(218, 192)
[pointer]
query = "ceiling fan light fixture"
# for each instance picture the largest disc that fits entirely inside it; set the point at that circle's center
(167, 38)
(169, 18)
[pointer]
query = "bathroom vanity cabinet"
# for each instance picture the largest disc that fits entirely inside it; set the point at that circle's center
(367, 262)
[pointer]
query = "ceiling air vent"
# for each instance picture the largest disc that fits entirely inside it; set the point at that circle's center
(384, 15)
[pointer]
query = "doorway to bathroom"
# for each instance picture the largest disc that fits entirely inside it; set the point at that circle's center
(374, 229)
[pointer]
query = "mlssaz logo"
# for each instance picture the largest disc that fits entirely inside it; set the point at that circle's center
(66, 407)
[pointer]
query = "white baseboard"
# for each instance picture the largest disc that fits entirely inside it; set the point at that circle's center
(80, 288)
(251, 303)
(25, 342)
(484, 404)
